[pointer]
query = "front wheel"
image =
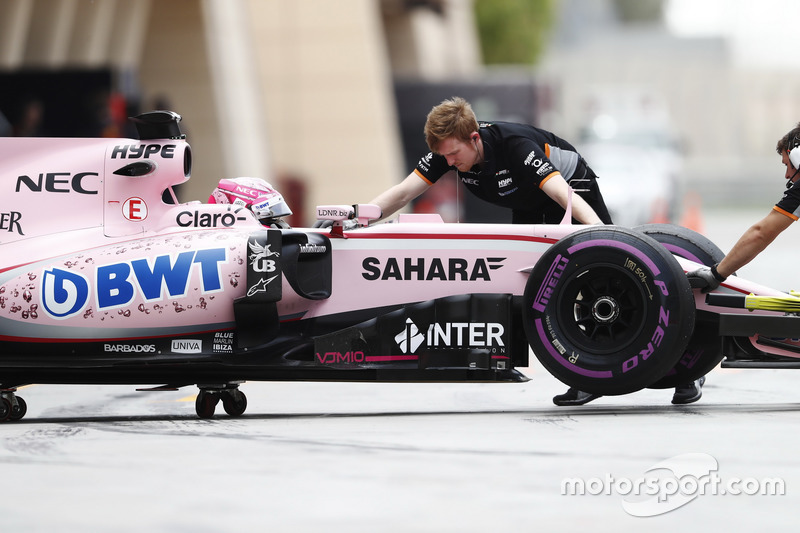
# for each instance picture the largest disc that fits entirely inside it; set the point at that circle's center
(608, 310)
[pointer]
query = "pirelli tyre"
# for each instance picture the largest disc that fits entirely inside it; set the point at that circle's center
(608, 310)
(704, 351)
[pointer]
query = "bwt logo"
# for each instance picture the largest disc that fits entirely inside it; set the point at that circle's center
(65, 293)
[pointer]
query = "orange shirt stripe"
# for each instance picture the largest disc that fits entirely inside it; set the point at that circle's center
(784, 212)
(426, 180)
(556, 173)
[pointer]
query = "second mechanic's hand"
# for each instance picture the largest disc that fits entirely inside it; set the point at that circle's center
(703, 279)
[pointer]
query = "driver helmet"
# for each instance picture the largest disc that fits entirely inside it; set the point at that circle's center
(253, 193)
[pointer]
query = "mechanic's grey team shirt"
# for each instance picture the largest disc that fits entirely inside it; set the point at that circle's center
(518, 160)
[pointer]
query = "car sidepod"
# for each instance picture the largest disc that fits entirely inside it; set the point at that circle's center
(456, 338)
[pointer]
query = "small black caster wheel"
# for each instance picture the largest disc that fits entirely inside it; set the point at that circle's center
(206, 404)
(5, 409)
(234, 401)
(18, 410)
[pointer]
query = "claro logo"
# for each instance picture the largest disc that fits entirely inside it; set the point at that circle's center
(197, 219)
(60, 182)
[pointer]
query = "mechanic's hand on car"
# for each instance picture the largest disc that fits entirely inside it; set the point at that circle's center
(347, 225)
(705, 278)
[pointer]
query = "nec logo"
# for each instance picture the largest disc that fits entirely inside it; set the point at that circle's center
(58, 182)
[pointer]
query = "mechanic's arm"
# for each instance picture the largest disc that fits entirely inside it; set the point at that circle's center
(753, 242)
(557, 188)
(398, 196)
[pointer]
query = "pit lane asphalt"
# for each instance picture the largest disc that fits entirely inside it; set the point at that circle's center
(390, 457)
(397, 457)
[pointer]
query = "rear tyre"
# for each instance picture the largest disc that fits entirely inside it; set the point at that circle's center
(608, 310)
(704, 351)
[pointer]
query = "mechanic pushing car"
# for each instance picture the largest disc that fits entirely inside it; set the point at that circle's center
(255, 194)
(763, 232)
(518, 166)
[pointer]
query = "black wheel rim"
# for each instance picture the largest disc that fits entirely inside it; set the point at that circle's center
(601, 310)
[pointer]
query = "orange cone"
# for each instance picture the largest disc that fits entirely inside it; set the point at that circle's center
(692, 213)
(660, 212)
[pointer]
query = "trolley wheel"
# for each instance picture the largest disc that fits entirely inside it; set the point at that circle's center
(18, 410)
(206, 404)
(234, 402)
(5, 409)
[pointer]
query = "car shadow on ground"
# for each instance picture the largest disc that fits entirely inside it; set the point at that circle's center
(556, 412)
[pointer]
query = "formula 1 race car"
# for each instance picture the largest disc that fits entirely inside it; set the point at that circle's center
(105, 278)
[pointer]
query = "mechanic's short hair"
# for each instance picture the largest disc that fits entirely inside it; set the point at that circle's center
(789, 141)
(452, 118)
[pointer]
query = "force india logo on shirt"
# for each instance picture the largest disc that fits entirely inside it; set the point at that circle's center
(542, 167)
(425, 162)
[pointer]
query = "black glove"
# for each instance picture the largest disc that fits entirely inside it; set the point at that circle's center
(705, 278)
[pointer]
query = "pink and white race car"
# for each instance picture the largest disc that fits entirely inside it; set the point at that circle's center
(106, 278)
